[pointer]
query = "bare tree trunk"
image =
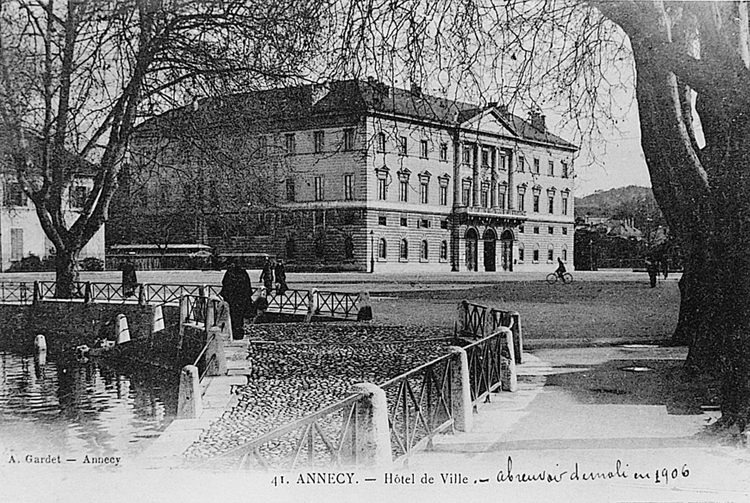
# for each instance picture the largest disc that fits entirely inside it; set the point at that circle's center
(66, 273)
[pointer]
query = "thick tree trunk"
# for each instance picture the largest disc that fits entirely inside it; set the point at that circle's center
(66, 273)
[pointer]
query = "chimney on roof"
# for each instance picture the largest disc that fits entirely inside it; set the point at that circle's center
(538, 121)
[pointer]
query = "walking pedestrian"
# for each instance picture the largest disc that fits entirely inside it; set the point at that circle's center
(266, 275)
(237, 291)
(280, 273)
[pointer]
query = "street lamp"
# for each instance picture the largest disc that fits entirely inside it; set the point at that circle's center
(372, 251)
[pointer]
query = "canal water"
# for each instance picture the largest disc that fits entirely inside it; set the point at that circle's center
(75, 409)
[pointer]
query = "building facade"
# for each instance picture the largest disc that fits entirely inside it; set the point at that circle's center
(357, 175)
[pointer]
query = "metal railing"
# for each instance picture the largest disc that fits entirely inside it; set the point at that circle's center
(289, 302)
(486, 368)
(325, 438)
(337, 304)
(16, 293)
(419, 405)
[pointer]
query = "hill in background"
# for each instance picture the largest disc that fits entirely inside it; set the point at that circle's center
(623, 202)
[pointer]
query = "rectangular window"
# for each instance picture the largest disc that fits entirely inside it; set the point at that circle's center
(501, 202)
(382, 220)
(16, 244)
(536, 203)
(564, 255)
(521, 201)
(465, 193)
(348, 187)
(423, 149)
(443, 224)
(380, 144)
(443, 151)
(564, 169)
(550, 230)
(483, 197)
(291, 195)
(424, 192)
(536, 230)
(319, 141)
(520, 254)
(404, 222)
(551, 205)
(551, 168)
(423, 224)
(521, 164)
(520, 229)
(466, 155)
(443, 195)
(15, 196)
(565, 231)
(290, 143)
(536, 166)
(403, 191)
(485, 156)
(564, 205)
(318, 188)
(403, 145)
(382, 188)
(348, 139)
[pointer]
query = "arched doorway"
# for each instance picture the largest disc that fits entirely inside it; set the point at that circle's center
(506, 241)
(490, 239)
(472, 238)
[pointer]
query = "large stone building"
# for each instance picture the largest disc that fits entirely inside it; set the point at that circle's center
(354, 174)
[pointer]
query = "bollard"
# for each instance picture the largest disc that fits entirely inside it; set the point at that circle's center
(463, 410)
(40, 343)
(224, 319)
(189, 401)
(142, 294)
(517, 336)
(509, 378)
(365, 307)
(215, 349)
(373, 437)
(183, 314)
(312, 304)
(122, 332)
(461, 318)
(158, 320)
(40, 351)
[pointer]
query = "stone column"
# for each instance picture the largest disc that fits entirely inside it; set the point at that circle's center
(122, 332)
(463, 411)
(373, 436)
(509, 378)
(189, 400)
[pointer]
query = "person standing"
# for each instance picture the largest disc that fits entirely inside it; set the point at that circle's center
(280, 273)
(266, 275)
(237, 291)
(129, 279)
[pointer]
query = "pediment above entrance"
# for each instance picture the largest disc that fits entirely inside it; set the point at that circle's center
(490, 122)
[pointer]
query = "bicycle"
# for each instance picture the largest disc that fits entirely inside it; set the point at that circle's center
(552, 278)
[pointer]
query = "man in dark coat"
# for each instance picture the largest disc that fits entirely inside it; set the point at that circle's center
(266, 276)
(280, 274)
(652, 268)
(129, 279)
(237, 291)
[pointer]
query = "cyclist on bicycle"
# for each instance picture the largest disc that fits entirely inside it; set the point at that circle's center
(560, 268)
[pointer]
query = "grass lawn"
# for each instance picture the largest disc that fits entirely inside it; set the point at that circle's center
(583, 313)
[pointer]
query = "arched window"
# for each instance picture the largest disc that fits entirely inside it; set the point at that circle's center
(348, 248)
(424, 251)
(550, 253)
(444, 250)
(404, 250)
(520, 251)
(535, 258)
(564, 253)
(291, 249)
(382, 247)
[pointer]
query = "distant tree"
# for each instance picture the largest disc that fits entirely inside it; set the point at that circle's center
(77, 76)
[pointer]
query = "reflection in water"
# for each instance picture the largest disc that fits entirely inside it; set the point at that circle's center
(98, 408)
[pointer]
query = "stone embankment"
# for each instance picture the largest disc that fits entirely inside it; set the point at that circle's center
(298, 369)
